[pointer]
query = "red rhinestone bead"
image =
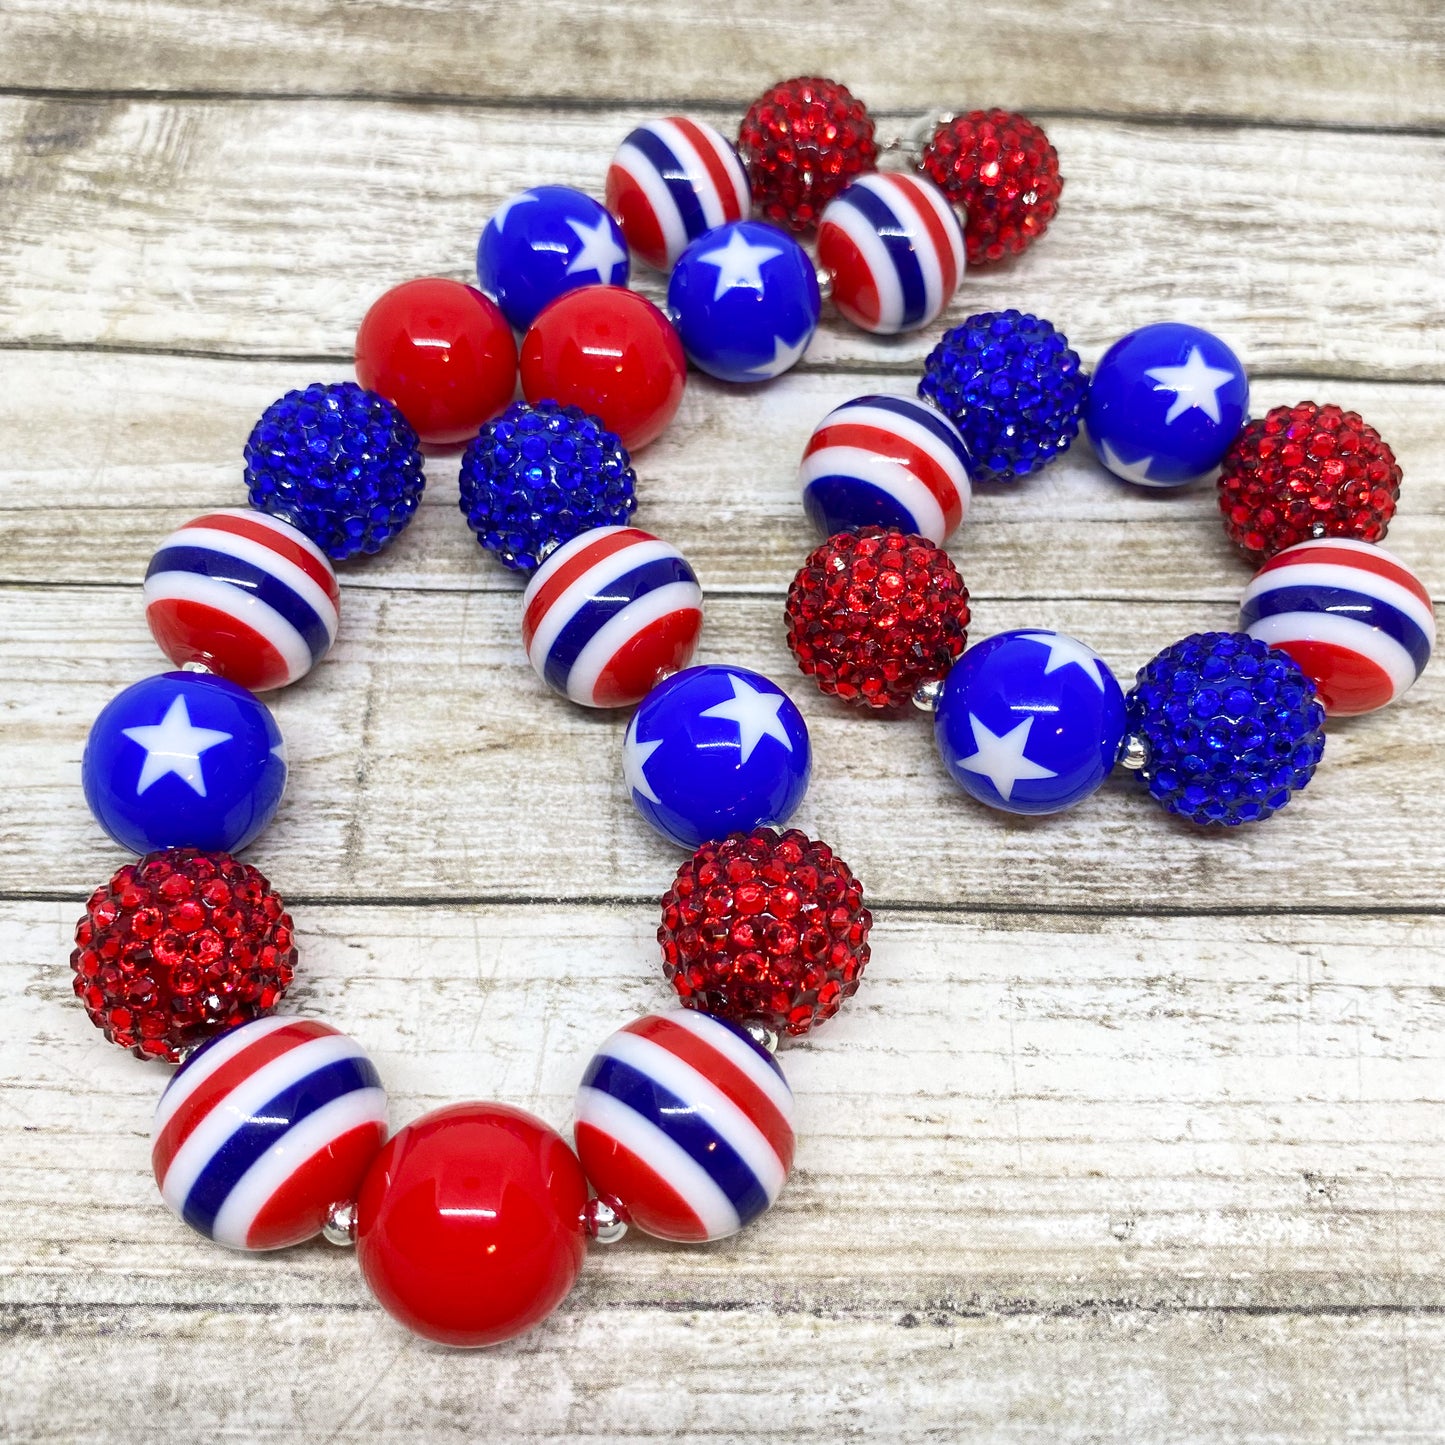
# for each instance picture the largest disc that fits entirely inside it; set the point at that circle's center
(1303, 472)
(803, 141)
(874, 614)
(765, 927)
(1001, 171)
(162, 961)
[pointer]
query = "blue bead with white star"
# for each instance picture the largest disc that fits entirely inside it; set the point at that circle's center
(1164, 404)
(546, 241)
(184, 760)
(744, 298)
(713, 751)
(1029, 721)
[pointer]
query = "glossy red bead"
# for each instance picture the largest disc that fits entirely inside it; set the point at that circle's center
(469, 1224)
(440, 351)
(611, 352)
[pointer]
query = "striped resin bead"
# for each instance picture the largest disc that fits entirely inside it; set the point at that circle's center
(264, 1129)
(885, 461)
(894, 249)
(609, 614)
(1353, 616)
(246, 594)
(687, 1123)
(670, 181)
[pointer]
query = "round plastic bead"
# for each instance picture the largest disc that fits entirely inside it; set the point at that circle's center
(802, 141)
(539, 476)
(765, 927)
(1304, 472)
(713, 751)
(1165, 402)
(686, 1124)
(671, 180)
(469, 1224)
(1230, 728)
(340, 464)
(1014, 389)
(745, 300)
(1029, 722)
(244, 594)
(612, 353)
(179, 947)
(886, 461)
(875, 614)
(1354, 617)
(183, 760)
(546, 241)
(264, 1129)
(440, 351)
(1000, 170)
(610, 613)
(894, 250)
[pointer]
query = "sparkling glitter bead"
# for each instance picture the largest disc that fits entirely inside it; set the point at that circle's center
(765, 927)
(1230, 728)
(539, 476)
(1001, 171)
(874, 614)
(178, 947)
(1013, 387)
(340, 464)
(1307, 471)
(802, 141)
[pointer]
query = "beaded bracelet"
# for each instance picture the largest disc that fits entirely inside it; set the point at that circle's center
(470, 1224)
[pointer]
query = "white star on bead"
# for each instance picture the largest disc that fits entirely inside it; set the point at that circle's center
(1129, 471)
(634, 764)
(1001, 759)
(739, 263)
(1068, 652)
(600, 252)
(784, 356)
(174, 746)
(1195, 384)
(755, 713)
(500, 219)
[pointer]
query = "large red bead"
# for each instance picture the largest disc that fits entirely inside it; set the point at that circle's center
(611, 352)
(442, 353)
(469, 1224)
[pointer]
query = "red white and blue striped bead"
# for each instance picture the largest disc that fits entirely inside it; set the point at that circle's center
(264, 1129)
(670, 181)
(687, 1123)
(886, 461)
(1354, 617)
(894, 248)
(609, 614)
(246, 594)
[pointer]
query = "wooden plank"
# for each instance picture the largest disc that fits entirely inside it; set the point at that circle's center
(250, 227)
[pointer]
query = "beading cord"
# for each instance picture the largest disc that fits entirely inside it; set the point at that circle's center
(471, 1222)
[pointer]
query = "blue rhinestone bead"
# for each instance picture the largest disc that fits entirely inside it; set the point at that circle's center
(339, 463)
(539, 476)
(1013, 388)
(1230, 728)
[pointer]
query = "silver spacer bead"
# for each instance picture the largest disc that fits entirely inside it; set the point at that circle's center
(603, 1222)
(825, 282)
(340, 1226)
(762, 1036)
(913, 140)
(927, 694)
(546, 549)
(195, 667)
(1319, 530)
(1134, 754)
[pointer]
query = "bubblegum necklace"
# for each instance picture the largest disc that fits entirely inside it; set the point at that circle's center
(470, 1224)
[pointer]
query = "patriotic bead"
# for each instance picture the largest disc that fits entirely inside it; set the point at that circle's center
(670, 181)
(610, 613)
(687, 1124)
(247, 595)
(264, 1129)
(745, 301)
(894, 249)
(886, 461)
(546, 241)
(183, 760)
(1165, 402)
(1354, 617)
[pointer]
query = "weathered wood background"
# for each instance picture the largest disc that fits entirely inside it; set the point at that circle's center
(1134, 1132)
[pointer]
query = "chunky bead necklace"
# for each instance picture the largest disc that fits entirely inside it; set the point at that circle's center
(470, 1223)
